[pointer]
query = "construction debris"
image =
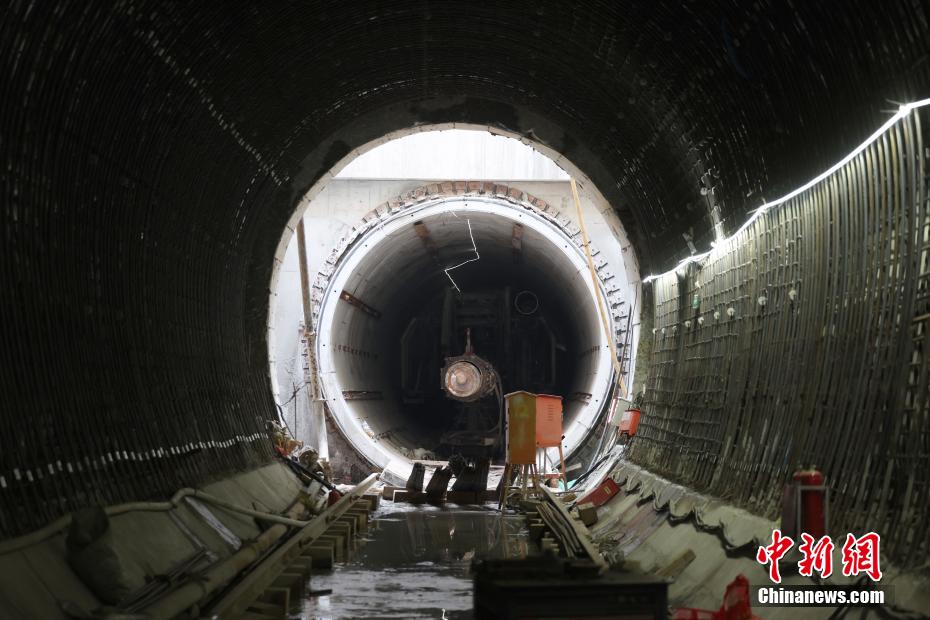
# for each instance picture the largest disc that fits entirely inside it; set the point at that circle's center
(415, 481)
(283, 442)
(473, 478)
(436, 489)
(587, 513)
(90, 554)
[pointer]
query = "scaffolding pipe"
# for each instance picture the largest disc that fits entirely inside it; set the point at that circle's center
(62, 523)
(194, 592)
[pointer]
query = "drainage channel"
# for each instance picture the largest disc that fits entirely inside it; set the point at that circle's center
(364, 558)
(415, 562)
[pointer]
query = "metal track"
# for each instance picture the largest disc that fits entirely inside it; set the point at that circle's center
(573, 538)
(294, 557)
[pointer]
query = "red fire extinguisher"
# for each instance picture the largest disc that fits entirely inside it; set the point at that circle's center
(811, 501)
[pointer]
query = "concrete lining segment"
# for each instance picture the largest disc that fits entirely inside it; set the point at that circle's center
(147, 543)
(387, 263)
(654, 521)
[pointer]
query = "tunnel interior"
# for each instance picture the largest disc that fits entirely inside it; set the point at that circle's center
(424, 283)
(152, 154)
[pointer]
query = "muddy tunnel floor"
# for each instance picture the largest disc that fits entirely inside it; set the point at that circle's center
(414, 563)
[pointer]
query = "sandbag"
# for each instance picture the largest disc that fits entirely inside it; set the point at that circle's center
(91, 556)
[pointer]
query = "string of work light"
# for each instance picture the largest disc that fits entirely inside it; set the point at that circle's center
(903, 111)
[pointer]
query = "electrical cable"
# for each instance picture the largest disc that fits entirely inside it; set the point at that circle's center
(299, 467)
(474, 248)
(284, 420)
(62, 523)
(591, 469)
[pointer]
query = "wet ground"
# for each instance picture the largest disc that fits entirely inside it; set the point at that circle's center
(414, 563)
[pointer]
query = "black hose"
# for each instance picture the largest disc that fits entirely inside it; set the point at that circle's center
(590, 470)
(297, 467)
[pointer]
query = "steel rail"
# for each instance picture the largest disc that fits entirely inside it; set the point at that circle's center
(62, 523)
(194, 593)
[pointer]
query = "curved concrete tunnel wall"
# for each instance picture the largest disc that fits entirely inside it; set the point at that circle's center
(153, 154)
(389, 269)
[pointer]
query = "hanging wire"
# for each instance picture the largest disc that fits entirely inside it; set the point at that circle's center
(474, 248)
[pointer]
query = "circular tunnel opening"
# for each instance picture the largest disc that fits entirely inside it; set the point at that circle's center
(403, 265)
(439, 280)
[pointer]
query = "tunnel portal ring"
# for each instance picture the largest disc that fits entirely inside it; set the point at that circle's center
(436, 192)
(380, 226)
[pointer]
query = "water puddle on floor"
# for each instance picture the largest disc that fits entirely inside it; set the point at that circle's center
(414, 563)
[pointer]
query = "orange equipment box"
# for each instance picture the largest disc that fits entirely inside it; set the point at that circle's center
(629, 422)
(521, 428)
(548, 421)
(604, 492)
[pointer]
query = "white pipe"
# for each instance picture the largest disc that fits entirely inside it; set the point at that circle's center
(195, 591)
(62, 523)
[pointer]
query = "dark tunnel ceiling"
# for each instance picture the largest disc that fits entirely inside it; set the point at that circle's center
(653, 100)
(153, 153)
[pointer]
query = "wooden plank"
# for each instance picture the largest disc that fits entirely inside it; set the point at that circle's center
(464, 497)
(388, 492)
(323, 555)
(267, 609)
(254, 585)
(346, 529)
(411, 497)
(361, 518)
(584, 537)
(290, 580)
(302, 564)
(678, 565)
(601, 306)
(279, 597)
(304, 275)
(251, 615)
(338, 545)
